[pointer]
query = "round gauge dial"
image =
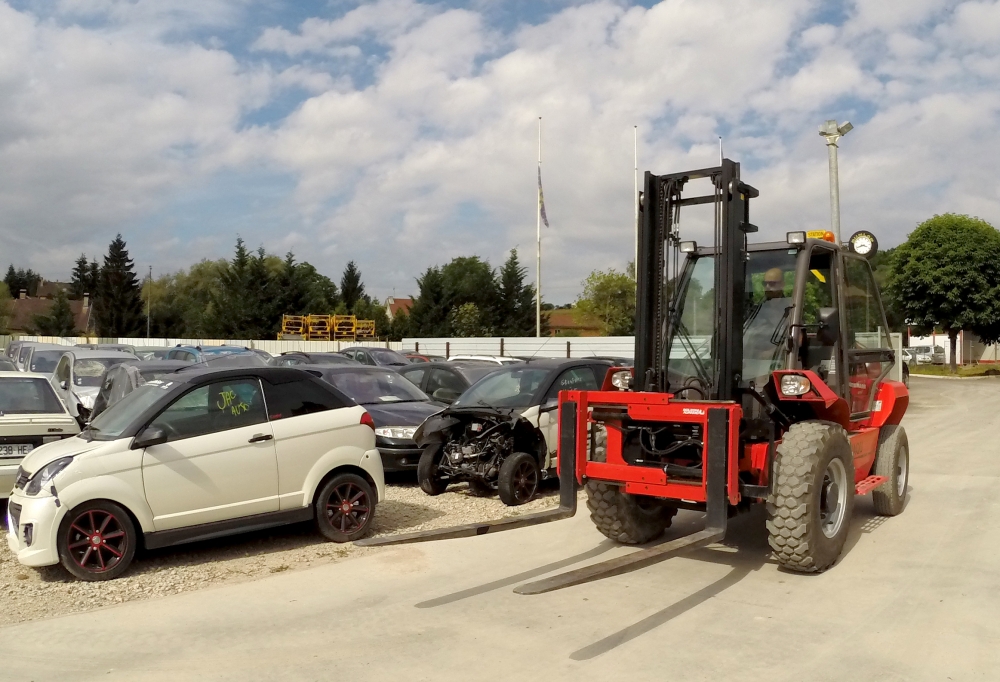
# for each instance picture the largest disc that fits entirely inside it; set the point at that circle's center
(863, 243)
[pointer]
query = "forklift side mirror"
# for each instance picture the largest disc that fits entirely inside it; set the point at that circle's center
(829, 326)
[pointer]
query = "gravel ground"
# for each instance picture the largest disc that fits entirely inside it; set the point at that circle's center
(28, 594)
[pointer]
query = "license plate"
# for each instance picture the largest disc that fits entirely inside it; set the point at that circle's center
(16, 450)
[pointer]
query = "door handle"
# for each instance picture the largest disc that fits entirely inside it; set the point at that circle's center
(258, 437)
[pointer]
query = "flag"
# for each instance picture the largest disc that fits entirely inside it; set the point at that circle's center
(541, 199)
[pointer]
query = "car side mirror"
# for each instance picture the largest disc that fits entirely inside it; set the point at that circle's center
(64, 385)
(150, 436)
(829, 326)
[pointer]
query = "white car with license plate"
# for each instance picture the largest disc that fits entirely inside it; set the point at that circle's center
(30, 416)
(197, 455)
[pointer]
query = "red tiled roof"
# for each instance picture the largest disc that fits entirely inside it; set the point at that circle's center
(25, 310)
(395, 304)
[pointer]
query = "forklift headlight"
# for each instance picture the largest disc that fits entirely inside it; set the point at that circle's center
(689, 247)
(794, 384)
(795, 237)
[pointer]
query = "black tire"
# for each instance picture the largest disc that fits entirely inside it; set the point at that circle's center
(345, 508)
(519, 478)
(808, 519)
(628, 519)
(97, 541)
(892, 460)
(427, 471)
(479, 488)
(906, 375)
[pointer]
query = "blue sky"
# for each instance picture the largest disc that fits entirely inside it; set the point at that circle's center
(400, 133)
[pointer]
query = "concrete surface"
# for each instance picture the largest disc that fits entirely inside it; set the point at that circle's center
(914, 598)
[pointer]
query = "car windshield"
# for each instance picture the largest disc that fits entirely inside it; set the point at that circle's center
(231, 360)
(88, 371)
(372, 388)
(513, 387)
(110, 424)
(152, 354)
(45, 361)
(474, 374)
(28, 396)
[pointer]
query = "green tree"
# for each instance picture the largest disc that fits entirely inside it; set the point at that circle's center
(466, 321)
(516, 301)
(399, 328)
(230, 300)
(609, 298)
(84, 279)
(59, 320)
(118, 307)
(367, 308)
(21, 279)
(6, 308)
(947, 276)
(352, 289)
(469, 279)
(429, 313)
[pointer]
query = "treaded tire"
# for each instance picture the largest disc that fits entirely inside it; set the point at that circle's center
(354, 520)
(794, 516)
(893, 450)
(114, 546)
(427, 475)
(519, 478)
(629, 519)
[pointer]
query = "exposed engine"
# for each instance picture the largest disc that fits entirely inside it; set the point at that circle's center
(479, 451)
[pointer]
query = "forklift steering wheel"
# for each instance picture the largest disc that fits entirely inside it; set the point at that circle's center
(693, 384)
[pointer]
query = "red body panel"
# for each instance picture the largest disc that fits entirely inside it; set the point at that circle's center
(864, 443)
(891, 403)
(827, 404)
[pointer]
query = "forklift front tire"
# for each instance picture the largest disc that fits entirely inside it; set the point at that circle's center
(628, 519)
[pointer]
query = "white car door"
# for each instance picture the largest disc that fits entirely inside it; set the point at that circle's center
(573, 379)
(219, 460)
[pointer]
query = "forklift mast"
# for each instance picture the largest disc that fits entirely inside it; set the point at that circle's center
(659, 288)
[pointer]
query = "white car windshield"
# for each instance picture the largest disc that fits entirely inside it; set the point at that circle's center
(110, 424)
(28, 396)
(373, 388)
(512, 387)
(88, 371)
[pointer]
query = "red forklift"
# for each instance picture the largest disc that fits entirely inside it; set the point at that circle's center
(761, 377)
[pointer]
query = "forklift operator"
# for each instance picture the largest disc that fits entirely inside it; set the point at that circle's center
(763, 330)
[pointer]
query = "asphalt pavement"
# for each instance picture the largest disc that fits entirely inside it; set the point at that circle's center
(915, 597)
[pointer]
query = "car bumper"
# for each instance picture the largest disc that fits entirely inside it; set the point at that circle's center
(400, 458)
(43, 517)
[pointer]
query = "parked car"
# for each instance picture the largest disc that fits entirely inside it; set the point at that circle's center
(376, 357)
(121, 380)
(7, 365)
(908, 358)
(495, 359)
(445, 381)
(77, 377)
(294, 358)
(925, 355)
(194, 456)
(201, 353)
(421, 357)
(43, 359)
(26, 348)
(242, 358)
(152, 352)
(502, 433)
(396, 406)
(30, 415)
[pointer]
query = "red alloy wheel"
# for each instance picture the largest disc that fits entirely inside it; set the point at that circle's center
(348, 508)
(97, 541)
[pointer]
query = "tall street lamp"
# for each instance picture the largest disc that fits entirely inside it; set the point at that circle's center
(833, 131)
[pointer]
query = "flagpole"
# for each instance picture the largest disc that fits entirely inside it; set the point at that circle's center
(538, 251)
(635, 191)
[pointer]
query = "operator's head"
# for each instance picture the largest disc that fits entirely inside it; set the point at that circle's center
(774, 283)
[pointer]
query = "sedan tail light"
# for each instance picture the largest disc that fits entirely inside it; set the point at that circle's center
(367, 420)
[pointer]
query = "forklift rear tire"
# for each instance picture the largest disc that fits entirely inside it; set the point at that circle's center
(892, 460)
(628, 519)
(809, 513)
(430, 481)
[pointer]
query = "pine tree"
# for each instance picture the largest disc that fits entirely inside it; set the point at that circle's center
(516, 301)
(12, 281)
(59, 321)
(262, 314)
(351, 287)
(118, 307)
(81, 281)
(230, 301)
(21, 279)
(429, 314)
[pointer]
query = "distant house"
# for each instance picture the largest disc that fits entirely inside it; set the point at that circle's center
(394, 305)
(568, 322)
(25, 308)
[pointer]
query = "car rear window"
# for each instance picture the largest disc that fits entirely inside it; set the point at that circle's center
(28, 396)
(297, 398)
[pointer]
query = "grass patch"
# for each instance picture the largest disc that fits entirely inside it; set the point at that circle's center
(963, 370)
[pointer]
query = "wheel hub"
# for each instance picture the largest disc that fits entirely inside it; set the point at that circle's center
(833, 498)
(830, 496)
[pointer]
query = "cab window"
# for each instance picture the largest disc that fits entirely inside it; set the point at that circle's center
(213, 408)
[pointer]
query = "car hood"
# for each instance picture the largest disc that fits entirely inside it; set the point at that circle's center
(402, 414)
(41, 456)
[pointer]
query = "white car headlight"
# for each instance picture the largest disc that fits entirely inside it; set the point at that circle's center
(621, 378)
(44, 476)
(794, 384)
(396, 431)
